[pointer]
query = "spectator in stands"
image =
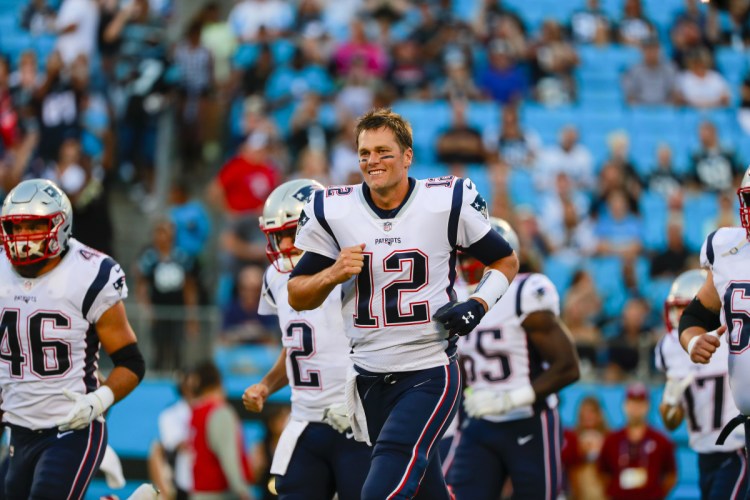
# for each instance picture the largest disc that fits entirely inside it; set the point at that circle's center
(408, 72)
(503, 80)
(38, 18)
(728, 215)
(653, 81)
(713, 167)
(700, 86)
(360, 47)
(254, 78)
(460, 143)
(240, 320)
(10, 127)
(427, 33)
(737, 31)
(582, 308)
(581, 449)
(618, 144)
(634, 27)
(307, 129)
(357, 91)
(637, 461)
(309, 13)
(674, 259)
(344, 158)
(564, 216)
(195, 88)
(535, 244)
(167, 291)
(252, 20)
(567, 156)
(245, 180)
(192, 224)
(611, 178)
(553, 60)
(77, 23)
(618, 230)
(221, 469)
(584, 23)
(313, 164)
(255, 121)
(170, 465)
(631, 335)
(290, 84)
(517, 147)
(24, 83)
(491, 15)
(218, 38)
(706, 20)
(458, 82)
(663, 180)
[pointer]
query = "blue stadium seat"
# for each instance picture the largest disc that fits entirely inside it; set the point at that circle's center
(426, 170)
(725, 121)
(253, 432)
(521, 188)
(560, 271)
(687, 466)
(699, 209)
(245, 55)
(612, 59)
(654, 210)
(657, 292)
(733, 64)
(132, 437)
(606, 273)
(245, 359)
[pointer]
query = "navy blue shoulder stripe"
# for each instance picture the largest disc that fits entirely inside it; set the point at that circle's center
(102, 277)
(710, 248)
(320, 215)
(455, 214)
(268, 288)
(519, 311)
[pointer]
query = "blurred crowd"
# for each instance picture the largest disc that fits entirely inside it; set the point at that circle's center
(261, 91)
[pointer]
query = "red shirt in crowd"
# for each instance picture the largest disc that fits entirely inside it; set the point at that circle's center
(637, 470)
(246, 185)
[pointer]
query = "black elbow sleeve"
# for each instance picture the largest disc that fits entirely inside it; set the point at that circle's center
(130, 357)
(696, 314)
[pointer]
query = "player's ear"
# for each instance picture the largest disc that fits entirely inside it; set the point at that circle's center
(408, 157)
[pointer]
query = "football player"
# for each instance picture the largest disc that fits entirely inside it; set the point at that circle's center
(515, 361)
(700, 392)
(398, 238)
(60, 301)
(317, 455)
(720, 311)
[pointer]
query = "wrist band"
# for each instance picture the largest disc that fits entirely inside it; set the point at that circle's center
(692, 342)
(492, 287)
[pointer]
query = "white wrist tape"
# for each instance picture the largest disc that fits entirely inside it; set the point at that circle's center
(106, 396)
(492, 287)
(522, 396)
(691, 343)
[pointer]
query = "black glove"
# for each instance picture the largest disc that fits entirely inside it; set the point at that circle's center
(460, 318)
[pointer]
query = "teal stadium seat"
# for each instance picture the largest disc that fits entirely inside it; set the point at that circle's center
(654, 210)
(606, 273)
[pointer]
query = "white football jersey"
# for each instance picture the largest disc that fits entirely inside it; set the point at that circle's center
(410, 266)
(48, 339)
(727, 254)
(707, 401)
(497, 355)
(317, 350)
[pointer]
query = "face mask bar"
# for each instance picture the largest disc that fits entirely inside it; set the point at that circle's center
(282, 260)
(30, 248)
(744, 195)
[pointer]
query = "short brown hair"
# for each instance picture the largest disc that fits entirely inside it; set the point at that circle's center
(385, 118)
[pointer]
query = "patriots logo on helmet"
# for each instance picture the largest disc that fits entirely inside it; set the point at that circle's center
(480, 206)
(304, 194)
(53, 193)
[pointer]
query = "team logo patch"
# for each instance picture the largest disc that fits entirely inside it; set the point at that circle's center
(480, 206)
(304, 194)
(540, 292)
(303, 219)
(86, 254)
(52, 192)
(119, 284)
(387, 226)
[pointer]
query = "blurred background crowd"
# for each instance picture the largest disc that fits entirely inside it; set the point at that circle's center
(610, 133)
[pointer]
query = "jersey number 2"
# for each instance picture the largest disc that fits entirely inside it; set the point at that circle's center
(305, 348)
(418, 311)
(12, 353)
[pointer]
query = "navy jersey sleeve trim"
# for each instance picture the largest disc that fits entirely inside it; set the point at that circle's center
(102, 277)
(268, 288)
(455, 214)
(311, 263)
(491, 248)
(710, 248)
(519, 310)
(320, 215)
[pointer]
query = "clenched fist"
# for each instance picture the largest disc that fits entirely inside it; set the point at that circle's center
(702, 347)
(255, 397)
(349, 263)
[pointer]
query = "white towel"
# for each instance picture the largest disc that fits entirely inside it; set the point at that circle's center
(355, 408)
(285, 446)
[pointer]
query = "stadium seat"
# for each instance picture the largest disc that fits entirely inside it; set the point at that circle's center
(654, 210)
(606, 273)
(521, 188)
(733, 64)
(245, 359)
(560, 271)
(700, 209)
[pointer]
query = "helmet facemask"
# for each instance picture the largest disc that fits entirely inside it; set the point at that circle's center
(471, 269)
(743, 194)
(32, 247)
(673, 309)
(283, 260)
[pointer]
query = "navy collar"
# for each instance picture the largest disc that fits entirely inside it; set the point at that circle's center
(382, 213)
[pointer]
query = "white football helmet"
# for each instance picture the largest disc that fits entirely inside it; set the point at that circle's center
(743, 193)
(471, 269)
(279, 220)
(36, 200)
(684, 288)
